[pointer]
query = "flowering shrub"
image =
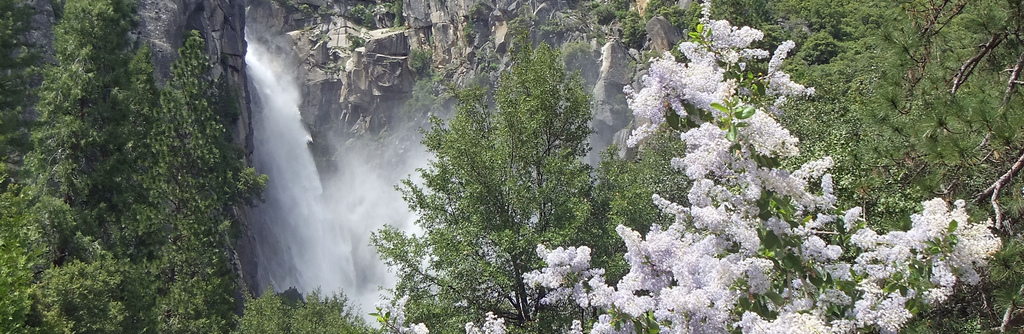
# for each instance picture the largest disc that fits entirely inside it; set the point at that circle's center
(492, 325)
(391, 317)
(758, 249)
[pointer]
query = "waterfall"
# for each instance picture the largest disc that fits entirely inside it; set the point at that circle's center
(310, 234)
(291, 248)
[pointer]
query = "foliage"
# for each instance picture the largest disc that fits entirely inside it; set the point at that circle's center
(634, 30)
(604, 13)
(198, 175)
(17, 258)
(502, 180)
(14, 77)
(395, 8)
(270, 313)
(363, 16)
(103, 296)
(670, 11)
(356, 42)
(421, 61)
(134, 186)
(88, 138)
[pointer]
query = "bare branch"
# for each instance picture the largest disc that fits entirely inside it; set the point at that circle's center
(1011, 84)
(992, 192)
(968, 68)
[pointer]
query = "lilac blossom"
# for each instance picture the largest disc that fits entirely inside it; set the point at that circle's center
(492, 325)
(752, 250)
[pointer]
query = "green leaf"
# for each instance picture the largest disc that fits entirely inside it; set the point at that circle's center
(746, 112)
(718, 106)
(792, 261)
(775, 297)
(673, 120)
(816, 279)
(952, 226)
(732, 133)
(771, 241)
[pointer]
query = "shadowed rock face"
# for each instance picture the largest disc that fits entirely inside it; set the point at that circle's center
(163, 23)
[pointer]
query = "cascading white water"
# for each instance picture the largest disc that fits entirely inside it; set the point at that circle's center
(310, 235)
(290, 248)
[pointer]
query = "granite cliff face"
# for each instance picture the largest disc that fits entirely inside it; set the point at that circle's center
(356, 78)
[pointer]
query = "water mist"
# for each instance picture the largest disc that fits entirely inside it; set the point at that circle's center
(312, 233)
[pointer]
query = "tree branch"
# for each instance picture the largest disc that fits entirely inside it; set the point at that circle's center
(968, 68)
(1011, 84)
(992, 192)
(1009, 310)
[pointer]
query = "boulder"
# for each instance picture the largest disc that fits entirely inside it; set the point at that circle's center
(394, 44)
(614, 63)
(390, 74)
(662, 34)
(543, 13)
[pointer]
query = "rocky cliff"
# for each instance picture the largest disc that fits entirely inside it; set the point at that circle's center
(359, 61)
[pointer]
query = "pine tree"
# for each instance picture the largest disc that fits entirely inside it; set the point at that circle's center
(199, 176)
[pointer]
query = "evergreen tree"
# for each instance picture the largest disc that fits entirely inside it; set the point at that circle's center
(85, 141)
(198, 176)
(15, 61)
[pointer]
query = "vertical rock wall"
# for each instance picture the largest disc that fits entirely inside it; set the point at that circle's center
(163, 23)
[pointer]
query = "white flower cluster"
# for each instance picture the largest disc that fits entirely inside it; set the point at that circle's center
(754, 249)
(394, 321)
(396, 317)
(492, 325)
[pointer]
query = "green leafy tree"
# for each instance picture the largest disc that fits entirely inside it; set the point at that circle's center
(18, 258)
(102, 296)
(271, 313)
(502, 181)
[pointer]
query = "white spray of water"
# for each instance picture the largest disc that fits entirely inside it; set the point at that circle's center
(309, 234)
